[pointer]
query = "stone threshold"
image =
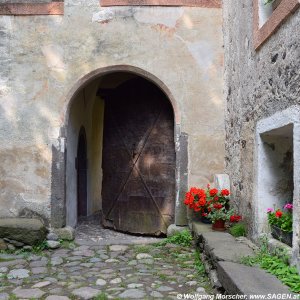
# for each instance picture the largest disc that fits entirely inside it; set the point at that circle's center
(221, 254)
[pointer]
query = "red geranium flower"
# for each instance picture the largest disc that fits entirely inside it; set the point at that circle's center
(213, 192)
(200, 202)
(225, 192)
(218, 205)
(216, 198)
(278, 214)
(189, 199)
(235, 218)
(200, 193)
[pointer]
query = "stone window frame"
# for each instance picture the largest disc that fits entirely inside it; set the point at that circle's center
(28, 9)
(261, 34)
(289, 116)
(190, 3)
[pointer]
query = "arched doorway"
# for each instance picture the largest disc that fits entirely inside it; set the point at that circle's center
(138, 161)
(85, 108)
(81, 167)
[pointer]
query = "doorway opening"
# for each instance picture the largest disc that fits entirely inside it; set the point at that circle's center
(138, 159)
(124, 167)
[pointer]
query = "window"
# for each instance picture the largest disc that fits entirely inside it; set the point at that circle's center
(268, 18)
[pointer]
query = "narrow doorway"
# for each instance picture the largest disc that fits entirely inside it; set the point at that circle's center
(81, 165)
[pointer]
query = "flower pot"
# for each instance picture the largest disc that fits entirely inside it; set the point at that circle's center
(219, 225)
(283, 236)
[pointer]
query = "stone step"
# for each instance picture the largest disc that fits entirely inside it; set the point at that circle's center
(221, 246)
(223, 252)
(244, 280)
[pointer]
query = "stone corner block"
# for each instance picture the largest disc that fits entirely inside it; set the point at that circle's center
(27, 231)
(173, 229)
(66, 233)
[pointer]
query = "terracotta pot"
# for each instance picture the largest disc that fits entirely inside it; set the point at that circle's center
(219, 225)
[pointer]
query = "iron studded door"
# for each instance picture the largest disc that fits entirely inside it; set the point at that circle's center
(138, 189)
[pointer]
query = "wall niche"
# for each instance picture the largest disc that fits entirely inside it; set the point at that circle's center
(275, 182)
(277, 171)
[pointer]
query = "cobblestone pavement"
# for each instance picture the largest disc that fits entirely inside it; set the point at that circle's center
(115, 271)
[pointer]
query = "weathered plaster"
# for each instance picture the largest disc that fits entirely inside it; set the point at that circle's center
(45, 67)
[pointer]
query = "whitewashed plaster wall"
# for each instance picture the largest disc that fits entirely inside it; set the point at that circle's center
(43, 58)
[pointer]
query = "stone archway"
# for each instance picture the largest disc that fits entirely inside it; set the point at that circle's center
(60, 193)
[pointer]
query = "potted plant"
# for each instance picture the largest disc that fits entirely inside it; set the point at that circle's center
(219, 215)
(281, 223)
(200, 200)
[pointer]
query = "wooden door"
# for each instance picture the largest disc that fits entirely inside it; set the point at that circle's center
(138, 189)
(81, 165)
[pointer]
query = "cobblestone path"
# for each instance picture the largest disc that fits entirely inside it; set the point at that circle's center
(102, 272)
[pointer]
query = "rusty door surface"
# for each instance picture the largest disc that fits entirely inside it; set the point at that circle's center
(138, 189)
(81, 165)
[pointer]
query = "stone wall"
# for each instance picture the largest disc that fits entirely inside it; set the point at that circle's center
(44, 60)
(258, 83)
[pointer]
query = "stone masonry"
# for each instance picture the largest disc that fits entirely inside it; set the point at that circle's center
(258, 84)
